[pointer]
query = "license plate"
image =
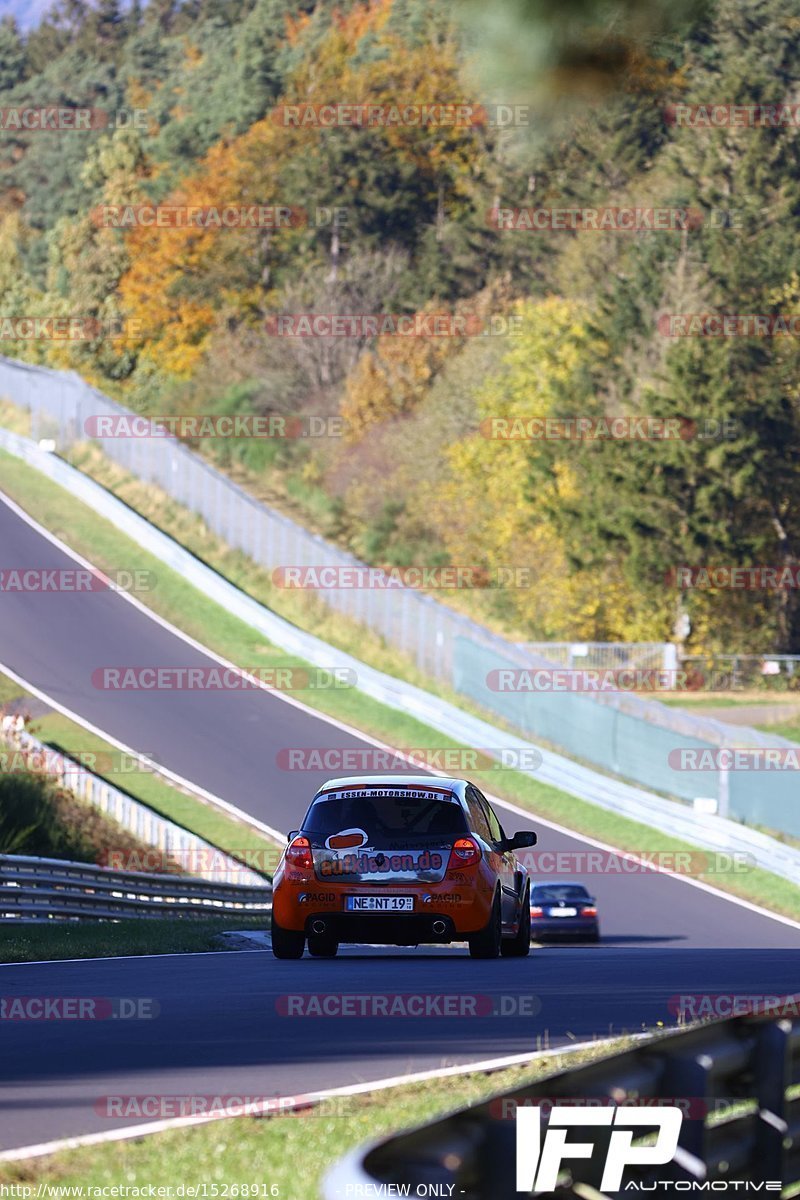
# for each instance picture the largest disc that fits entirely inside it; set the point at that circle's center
(380, 904)
(563, 912)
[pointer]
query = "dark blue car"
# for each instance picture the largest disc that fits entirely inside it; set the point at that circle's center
(563, 909)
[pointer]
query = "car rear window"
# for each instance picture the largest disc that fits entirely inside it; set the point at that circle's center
(383, 817)
(559, 891)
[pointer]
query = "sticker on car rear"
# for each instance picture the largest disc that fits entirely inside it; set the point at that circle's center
(389, 793)
(347, 839)
(416, 864)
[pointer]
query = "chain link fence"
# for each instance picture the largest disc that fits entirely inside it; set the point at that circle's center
(637, 738)
(608, 656)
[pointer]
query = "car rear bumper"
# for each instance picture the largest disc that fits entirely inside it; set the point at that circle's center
(563, 927)
(465, 908)
(394, 929)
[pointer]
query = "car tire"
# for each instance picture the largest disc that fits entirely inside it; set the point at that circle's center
(520, 945)
(323, 947)
(488, 942)
(287, 943)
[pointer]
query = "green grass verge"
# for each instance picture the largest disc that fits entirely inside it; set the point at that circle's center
(786, 729)
(192, 611)
(10, 690)
(289, 1153)
(104, 939)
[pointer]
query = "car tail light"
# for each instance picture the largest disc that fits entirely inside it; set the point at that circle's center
(465, 853)
(536, 911)
(298, 854)
(590, 911)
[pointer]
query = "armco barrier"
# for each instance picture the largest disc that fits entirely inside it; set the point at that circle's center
(678, 820)
(202, 859)
(624, 734)
(50, 889)
(730, 1079)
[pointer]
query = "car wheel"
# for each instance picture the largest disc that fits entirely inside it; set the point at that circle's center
(287, 943)
(595, 937)
(487, 943)
(520, 945)
(323, 947)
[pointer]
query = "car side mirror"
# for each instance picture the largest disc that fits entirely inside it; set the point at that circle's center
(521, 840)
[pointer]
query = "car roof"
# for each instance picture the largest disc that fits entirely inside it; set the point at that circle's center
(561, 883)
(456, 786)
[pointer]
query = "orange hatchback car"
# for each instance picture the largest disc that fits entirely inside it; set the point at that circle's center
(401, 860)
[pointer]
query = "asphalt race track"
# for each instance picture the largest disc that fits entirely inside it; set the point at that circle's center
(221, 1030)
(218, 1030)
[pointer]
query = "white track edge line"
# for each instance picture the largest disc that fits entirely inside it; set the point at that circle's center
(53, 962)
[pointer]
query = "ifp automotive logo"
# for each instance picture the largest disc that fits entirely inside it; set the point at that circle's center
(540, 1158)
(544, 1150)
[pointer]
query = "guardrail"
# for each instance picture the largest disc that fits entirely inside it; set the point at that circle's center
(51, 889)
(732, 1081)
(707, 830)
(623, 733)
(185, 848)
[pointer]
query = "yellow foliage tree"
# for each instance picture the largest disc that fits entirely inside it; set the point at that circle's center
(487, 510)
(391, 379)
